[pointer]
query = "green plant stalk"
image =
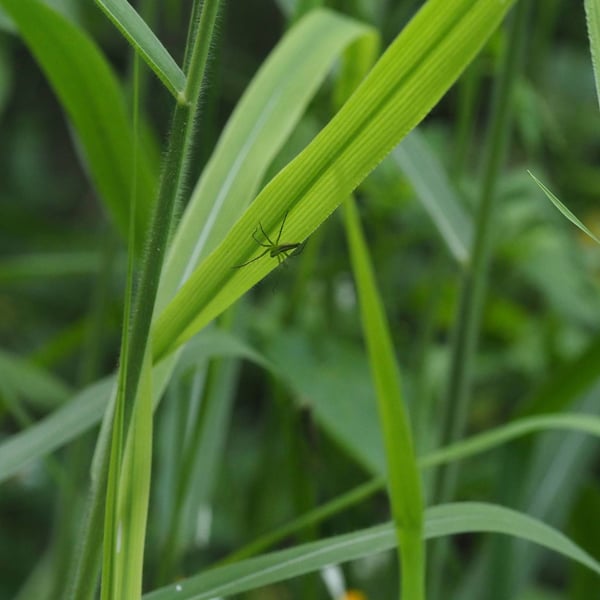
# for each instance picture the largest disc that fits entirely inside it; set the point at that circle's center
(172, 180)
(468, 89)
(171, 183)
(404, 480)
(116, 447)
(474, 282)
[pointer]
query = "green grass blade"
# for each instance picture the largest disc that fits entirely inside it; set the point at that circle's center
(402, 471)
(65, 424)
(444, 520)
(496, 437)
(404, 85)
(434, 189)
(90, 94)
(85, 410)
(592, 13)
(141, 37)
(262, 121)
(470, 447)
(563, 209)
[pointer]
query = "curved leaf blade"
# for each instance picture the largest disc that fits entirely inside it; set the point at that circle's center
(448, 519)
(125, 18)
(90, 94)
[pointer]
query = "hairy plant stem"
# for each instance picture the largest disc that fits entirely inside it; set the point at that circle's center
(474, 282)
(172, 180)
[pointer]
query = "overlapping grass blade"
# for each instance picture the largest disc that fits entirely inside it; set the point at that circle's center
(142, 38)
(262, 121)
(90, 94)
(404, 482)
(444, 520)
(403, 86)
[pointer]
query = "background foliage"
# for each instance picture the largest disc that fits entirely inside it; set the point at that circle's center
(274, 412)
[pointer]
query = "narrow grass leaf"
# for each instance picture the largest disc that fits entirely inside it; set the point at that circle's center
(464, 449)
(90, 94)
(563, 209)
(444, 520)
(62, 426)
(433, 188)
(404, 85)
(592, 13)
(404, 482)
(141, 37)
(584, 423)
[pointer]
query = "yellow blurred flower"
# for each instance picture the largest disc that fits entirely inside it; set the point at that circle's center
(354, 595)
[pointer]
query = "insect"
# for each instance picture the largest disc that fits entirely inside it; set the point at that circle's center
(277, 249)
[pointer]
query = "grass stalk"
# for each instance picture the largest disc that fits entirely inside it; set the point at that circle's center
(171, 183)
(474, 280)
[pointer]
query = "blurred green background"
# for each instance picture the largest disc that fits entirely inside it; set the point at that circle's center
(62, 273)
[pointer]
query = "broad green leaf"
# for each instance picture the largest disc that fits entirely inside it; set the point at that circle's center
(404, 482)
(449, 519)
(592, 13)
(563, 209)
(261, 122)
(404, 85)
(141, 37)
(90, 94)
(434, 189)
(333, 379)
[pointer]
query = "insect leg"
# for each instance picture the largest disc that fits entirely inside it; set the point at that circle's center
(266, 236)
(251, 261)
(258, 241)
(281, 228)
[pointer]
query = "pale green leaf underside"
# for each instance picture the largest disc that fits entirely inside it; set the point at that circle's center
(592, 13)
(449, 519)
(434, 189)
(142, 38)
(563, 209)
(403, 86)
